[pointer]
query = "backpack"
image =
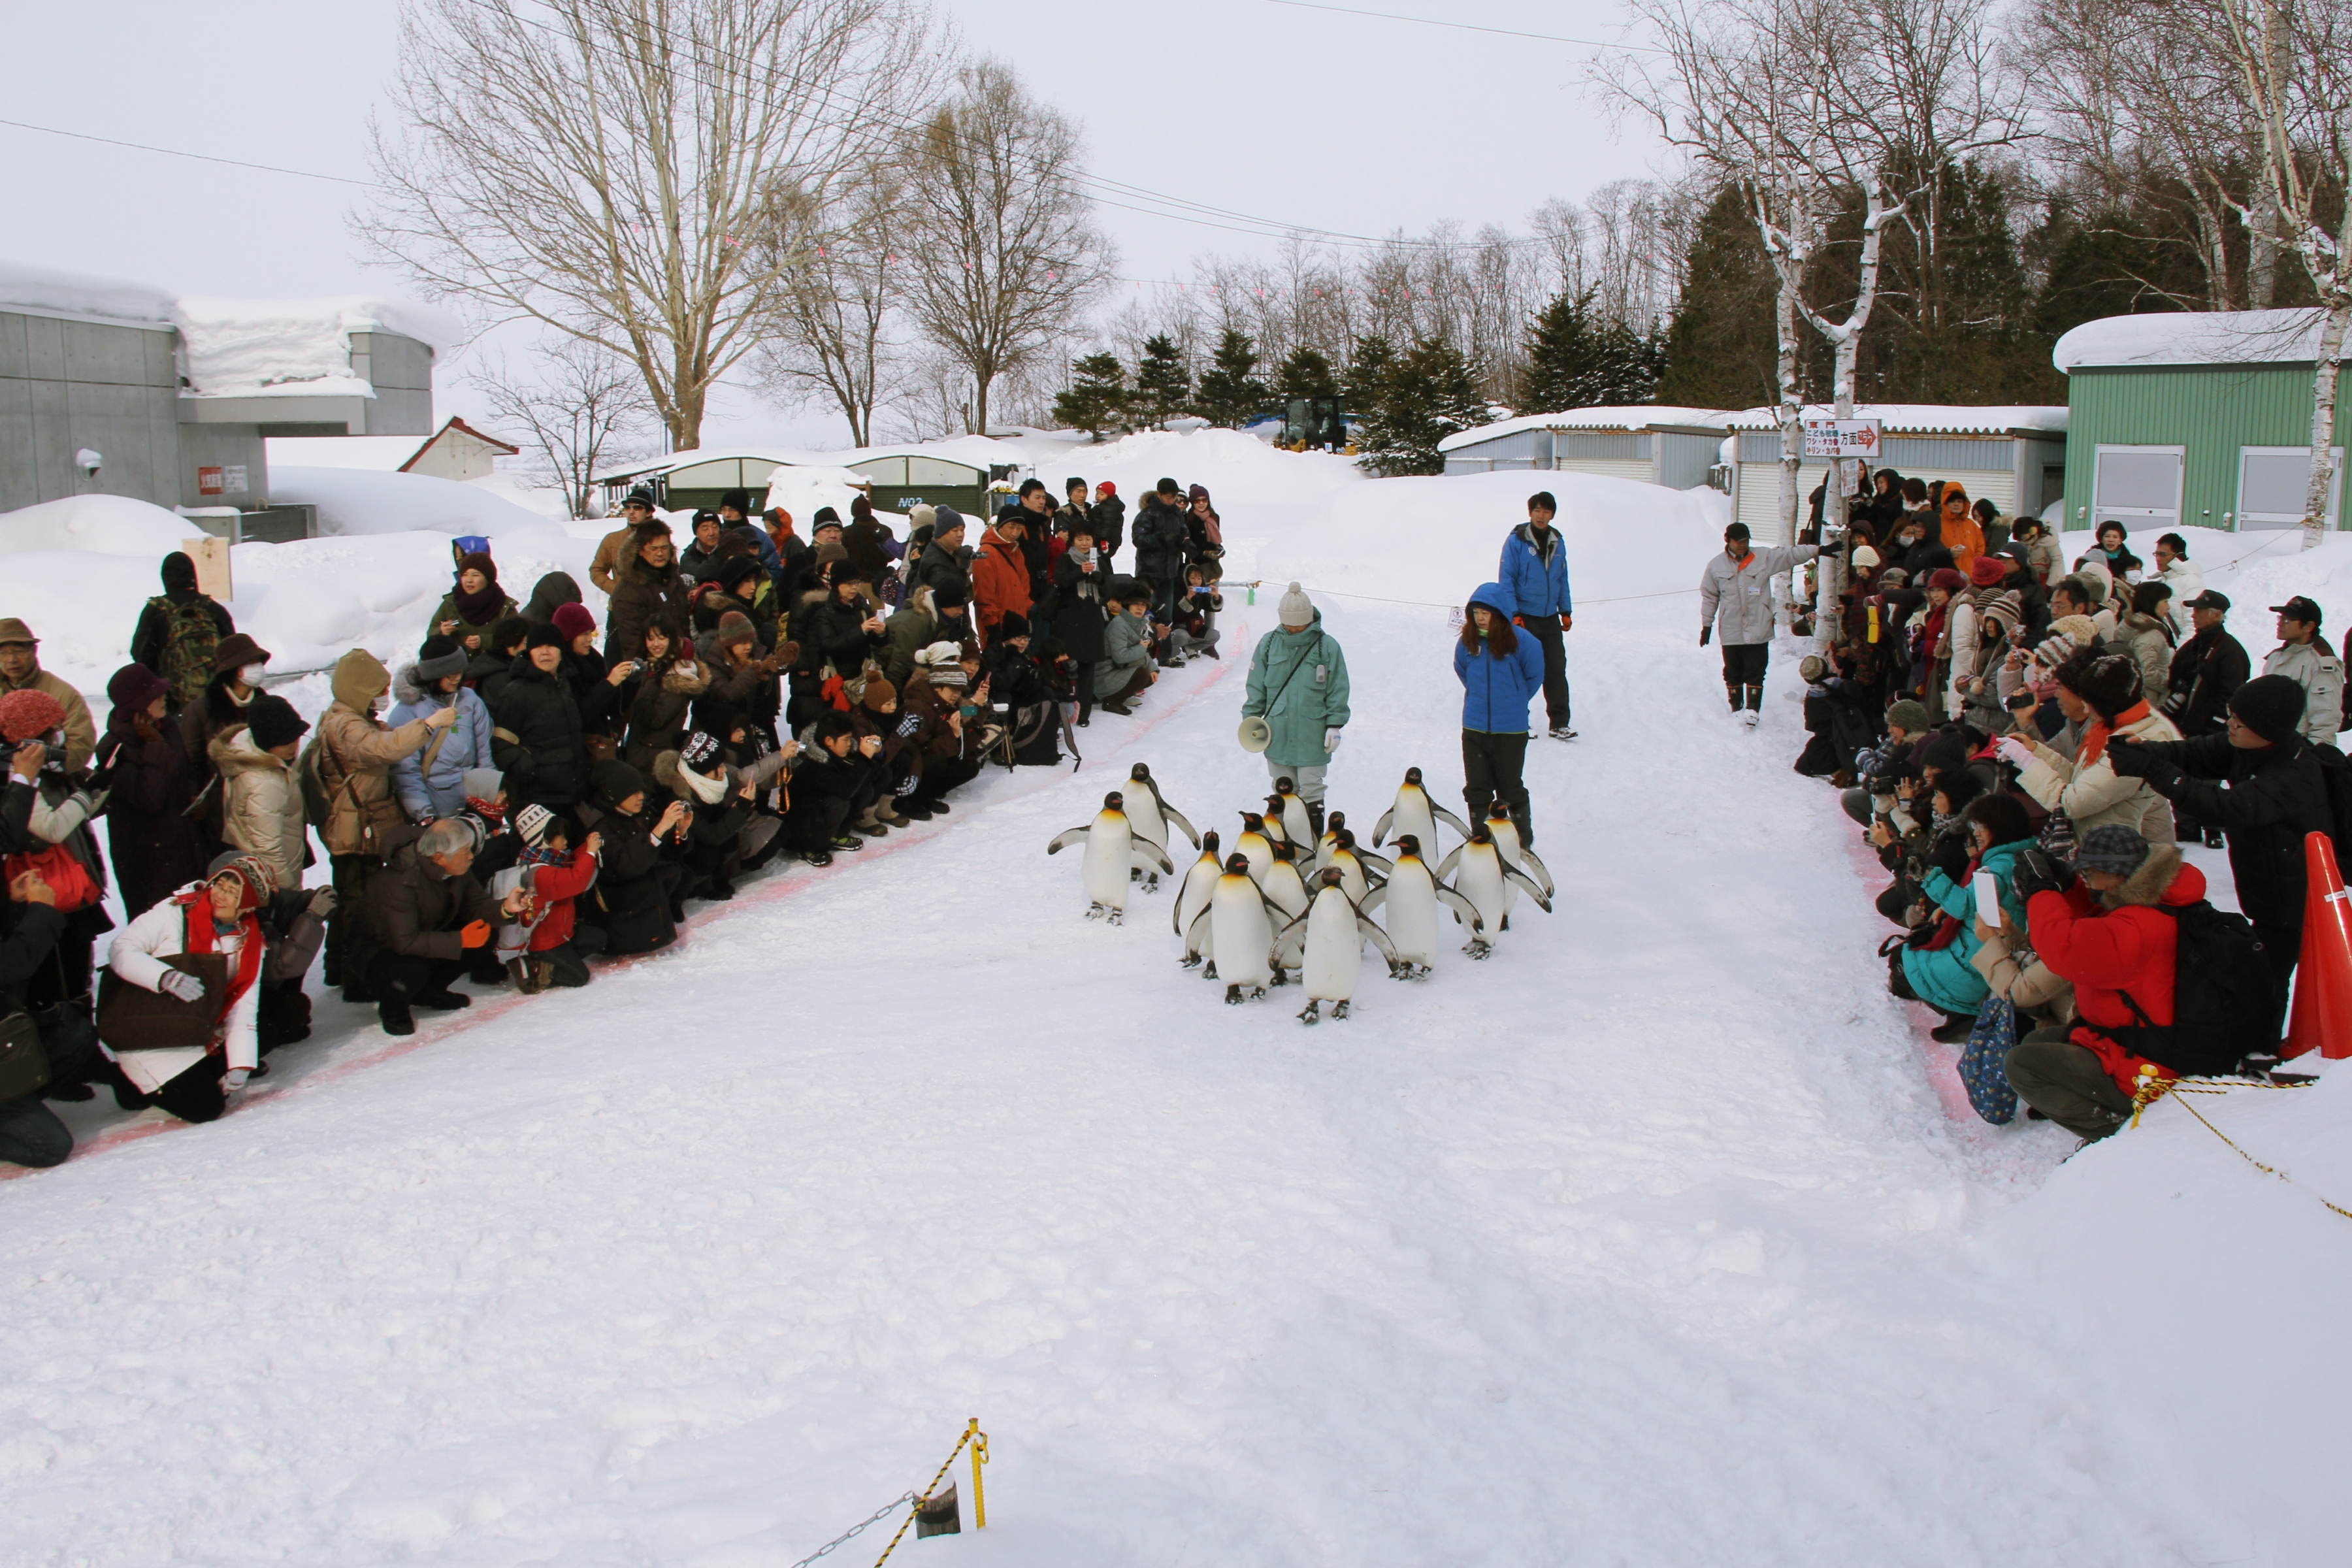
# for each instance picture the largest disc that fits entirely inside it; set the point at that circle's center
(191, 639)
(2335, 773)
(2221, 997)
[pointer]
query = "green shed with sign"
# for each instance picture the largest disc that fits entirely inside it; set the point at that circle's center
(902, 482)
(2193, 420)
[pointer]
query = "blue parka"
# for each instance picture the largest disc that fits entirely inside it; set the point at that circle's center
(467, 744)
(1943, 977)
(1538, 579)
(1496, 691)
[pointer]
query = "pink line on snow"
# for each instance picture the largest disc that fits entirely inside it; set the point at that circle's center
(1941, 1062)
(774, 888)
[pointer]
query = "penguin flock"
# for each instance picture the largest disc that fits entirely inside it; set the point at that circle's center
(1284, 907)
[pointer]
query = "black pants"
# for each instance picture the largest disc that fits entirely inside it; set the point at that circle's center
(564, 959)
(942, 775)
(1743, 665)
(2282, 945)
(816, 820)
(1545, 629)
(350, 874)
(31, 1132)
(1491, 765)
(398, 975)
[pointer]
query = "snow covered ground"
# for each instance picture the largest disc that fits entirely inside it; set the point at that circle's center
(1653, 1239)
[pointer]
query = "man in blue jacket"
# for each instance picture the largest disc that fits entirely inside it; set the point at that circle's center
(1535, 570)
(1499, 670)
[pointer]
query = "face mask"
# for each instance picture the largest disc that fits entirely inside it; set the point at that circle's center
(251, 674)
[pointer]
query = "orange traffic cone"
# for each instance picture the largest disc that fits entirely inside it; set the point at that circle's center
(2323, 981)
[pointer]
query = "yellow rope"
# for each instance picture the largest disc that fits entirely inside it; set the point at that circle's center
(2209, 1087)
(969, 1433)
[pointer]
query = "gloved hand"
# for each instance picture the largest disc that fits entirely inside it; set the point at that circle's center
(476, 934)
(1330, 741)
(2038, 872)
(1704, 633)
(322, 902)
(92, 803)
(2015, 751)
(182, 986)
(233, 1080)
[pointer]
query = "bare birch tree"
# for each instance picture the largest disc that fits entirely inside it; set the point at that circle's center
(1008, 253)
(833, 336)
(584, 407)
(2291, 70)
(604, 166)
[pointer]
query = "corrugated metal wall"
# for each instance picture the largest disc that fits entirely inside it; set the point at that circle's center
(1683, 460)
(1623, 445)
(2211, 412)
(1615, 468)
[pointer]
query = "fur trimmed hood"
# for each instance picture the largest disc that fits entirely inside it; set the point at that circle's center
(2146, 888)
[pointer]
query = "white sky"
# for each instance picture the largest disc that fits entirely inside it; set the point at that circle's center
(1301, 116)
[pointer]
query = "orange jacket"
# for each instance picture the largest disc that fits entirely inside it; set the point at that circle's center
(1000, 579)
(1964, 540)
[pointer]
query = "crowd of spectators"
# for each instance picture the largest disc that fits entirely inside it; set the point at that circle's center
(529, 792)
(2026, 743)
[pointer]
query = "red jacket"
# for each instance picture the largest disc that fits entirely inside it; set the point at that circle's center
(1000, 579)
(2118, 943)
(555, 886)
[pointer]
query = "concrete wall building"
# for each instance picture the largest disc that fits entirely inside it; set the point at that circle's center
(2014, 457)
(1660, 445)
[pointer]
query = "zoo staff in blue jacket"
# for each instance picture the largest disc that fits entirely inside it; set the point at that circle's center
(1535, 570)
(1500, 668)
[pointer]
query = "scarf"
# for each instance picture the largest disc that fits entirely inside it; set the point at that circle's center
(480, 609)
(705, 790)
(199, 936)
(2094, 739)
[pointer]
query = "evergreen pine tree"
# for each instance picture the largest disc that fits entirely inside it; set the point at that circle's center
(1719, 349)
(1417, 400)
(1575, 360)
(1163, 387)
(1230, 394)
(1304, 373)
(1097, 401)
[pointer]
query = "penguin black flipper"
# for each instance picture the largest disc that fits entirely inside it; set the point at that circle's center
(1381, 828)
(1063, 841)
(1447, 817)
(1379, 865)
(1542, 899)
(1176, 817)
(1290, 944)
(1445, 867)
(1148, 855)
(1535, 868)
(1464, 910)
(1372, 899)
(1197, 939)
(1379, 941)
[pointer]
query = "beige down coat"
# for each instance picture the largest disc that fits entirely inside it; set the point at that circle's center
(261, 809)
(2092, 794)
(355, 756)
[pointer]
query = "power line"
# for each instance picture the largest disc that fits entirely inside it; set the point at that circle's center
(200, 157)
(1469, 27)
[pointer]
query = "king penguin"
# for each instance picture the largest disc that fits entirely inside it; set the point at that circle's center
(1484, 880)
(1298, 825)
(1112, 849)
(1412, 897)
(1416, 813)
(1328, 940)
(1235, 927)
(1149, 814)
(1252, 845)
(1285, 885)
(1506, 834)
(1200, 878)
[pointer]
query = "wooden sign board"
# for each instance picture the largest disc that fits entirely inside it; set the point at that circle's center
(211, 556)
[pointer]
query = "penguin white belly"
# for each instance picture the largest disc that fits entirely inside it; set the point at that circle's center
(1296, 823)
(1147, 824)
(1413, 816)
(1110, 850)
(1284, 887)
(1241, 936)
(1411, 909)
(1480, 880)
(1334, 950)
(1351, 877)
(1260, 857)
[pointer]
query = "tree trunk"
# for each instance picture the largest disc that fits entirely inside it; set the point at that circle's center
(980, 402)
(1829, 576)
(2323, 419)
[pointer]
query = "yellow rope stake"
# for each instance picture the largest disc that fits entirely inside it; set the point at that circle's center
(979, 1457)
(969, 1433)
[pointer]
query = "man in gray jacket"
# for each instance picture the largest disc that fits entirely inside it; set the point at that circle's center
(1735, 597)
(2304, 657)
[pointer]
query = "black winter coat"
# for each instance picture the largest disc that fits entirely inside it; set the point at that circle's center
(154, 848)
(2206, 672)
(547, 762)
(1078, 607)
(642, 592)
(1109, 516)
(2275, 797)
(835, 634)
(939, 568)
(1161, 537)
(629, 902)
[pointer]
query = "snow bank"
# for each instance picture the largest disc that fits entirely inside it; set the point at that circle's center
(2256, 571)
(80, 293)
(246, 348)
(1635, 416)
(103, 525)
(357, 501)
(378, 454)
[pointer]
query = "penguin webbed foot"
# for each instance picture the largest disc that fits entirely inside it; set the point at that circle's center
(1094, 912)
(1116, 917)
(1192, 962)
(1476, 948)
(1210, 972)
(1233, 995)
(1312, 1014)
(1340, 1009)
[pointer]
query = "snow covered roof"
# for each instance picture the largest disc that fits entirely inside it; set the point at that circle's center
(59, 292)
(2192, 338)
(295, 348)
(1922, 418)
(1624, 416)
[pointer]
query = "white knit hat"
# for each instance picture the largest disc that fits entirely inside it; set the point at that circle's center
(1298, 609)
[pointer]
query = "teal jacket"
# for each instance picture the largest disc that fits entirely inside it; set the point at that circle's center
(1305, 678)
(1943, 977)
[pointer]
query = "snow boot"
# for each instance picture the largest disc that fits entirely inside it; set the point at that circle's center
(1738, 698)
(1954, 1030)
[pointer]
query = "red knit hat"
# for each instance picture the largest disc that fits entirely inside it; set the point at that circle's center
(1987, 570)
(573, 621)
(30, 714)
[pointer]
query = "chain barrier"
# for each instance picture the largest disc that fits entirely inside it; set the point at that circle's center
(913, 1501)
(2178, 1089)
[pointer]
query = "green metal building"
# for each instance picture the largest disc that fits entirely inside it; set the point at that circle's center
(2201, 420)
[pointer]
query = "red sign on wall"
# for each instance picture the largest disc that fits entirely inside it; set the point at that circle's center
(208, 481)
